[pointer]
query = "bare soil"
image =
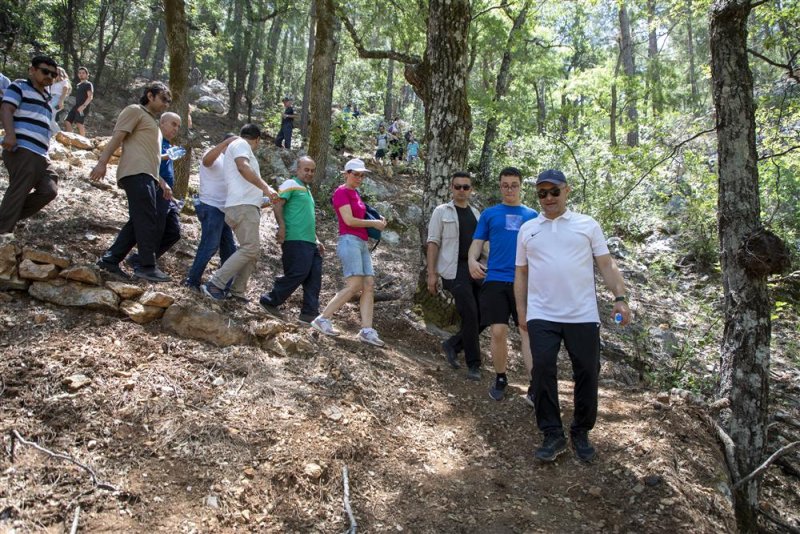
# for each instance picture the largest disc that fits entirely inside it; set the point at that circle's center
(196, 438)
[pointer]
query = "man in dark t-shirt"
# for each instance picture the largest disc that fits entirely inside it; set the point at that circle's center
(84, 94)
(284, 138)
(450, 232)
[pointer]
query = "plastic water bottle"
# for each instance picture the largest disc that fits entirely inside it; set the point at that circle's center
(175, 152)
(265, 201)
(618, 318)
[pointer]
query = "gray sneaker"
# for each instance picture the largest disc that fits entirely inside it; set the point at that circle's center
(323, 324)
(370, 336)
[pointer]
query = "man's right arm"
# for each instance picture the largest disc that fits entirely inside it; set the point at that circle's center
(7, 118)
(476, 269)
(113, 144)
(521, 295)
(212, 155)
(247, 172)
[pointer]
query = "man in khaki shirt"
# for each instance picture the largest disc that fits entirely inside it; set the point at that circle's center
(138, 133)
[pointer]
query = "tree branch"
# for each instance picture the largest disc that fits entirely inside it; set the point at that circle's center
(662, 160)
(363, 53)
(502, 5)
(763, 467)
(778, 154)
(785, 66)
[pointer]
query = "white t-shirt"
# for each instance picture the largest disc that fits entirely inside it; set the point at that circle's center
(240, 191)
(559, 254)
(213, 189)
(55, 91)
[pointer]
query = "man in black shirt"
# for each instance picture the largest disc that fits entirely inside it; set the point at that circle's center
(287, 125)
(84, 94)
(449, 238)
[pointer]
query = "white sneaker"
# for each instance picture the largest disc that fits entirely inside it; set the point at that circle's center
(322, 324)
(6, 238)
(370, 336)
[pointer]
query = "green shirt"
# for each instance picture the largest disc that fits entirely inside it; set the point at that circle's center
(298, 211)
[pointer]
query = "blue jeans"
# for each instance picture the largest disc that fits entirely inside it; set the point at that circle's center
(215, 235)
(302, 265)
(354, 255)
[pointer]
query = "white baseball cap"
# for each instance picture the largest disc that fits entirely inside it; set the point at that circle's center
(355, 165)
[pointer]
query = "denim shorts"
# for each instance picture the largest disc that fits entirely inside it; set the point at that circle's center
(354, 254)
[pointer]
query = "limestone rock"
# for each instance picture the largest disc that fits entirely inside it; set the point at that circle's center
(195, 321)
(37, 271)
(125, 291)
(140, 313)
(212, 104)
(87, 275)
(13, 281)
(390, 237)
(75, 382)
(40, 256)
(268, 328)
(58, 152)
(74, 140)
(8, 260)
(75, 294)
(101, 145)
(291, 344)
(157, 299)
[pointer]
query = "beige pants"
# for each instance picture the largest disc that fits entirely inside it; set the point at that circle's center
(244, 220)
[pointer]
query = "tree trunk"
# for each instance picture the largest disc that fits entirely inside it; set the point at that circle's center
(177, 36)
(653, 67)
(161, 50)
(252, 74)
(388, 111)
(279, 88)
(267, 79)
(746, 337)
(612, 127)
(500, 90)
(235, 69)
(149, 35)
(117, 11)
(322, 74)
(626, 50)
(304, 113)
(690, 51)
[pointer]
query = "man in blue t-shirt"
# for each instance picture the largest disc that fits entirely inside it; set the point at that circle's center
(499, 225)
(168, 223)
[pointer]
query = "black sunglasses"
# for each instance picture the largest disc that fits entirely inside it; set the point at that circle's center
(462, 187)
(52, 73)
(554, 192)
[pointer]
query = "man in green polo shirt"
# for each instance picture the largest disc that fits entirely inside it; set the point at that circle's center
(301, 250)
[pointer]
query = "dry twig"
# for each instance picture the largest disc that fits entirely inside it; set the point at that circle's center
(74, 528)
(348, 509)
(16, 437)
(763, 467)
(781, 523)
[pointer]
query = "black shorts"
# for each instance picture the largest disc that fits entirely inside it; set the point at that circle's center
(497, 303)
(76, 117)
(380, 153)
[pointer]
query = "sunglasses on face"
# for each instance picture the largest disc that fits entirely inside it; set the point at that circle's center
(462, 187)
(51, 73)
(554, 192)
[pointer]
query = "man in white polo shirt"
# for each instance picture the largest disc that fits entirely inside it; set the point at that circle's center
(244, 200)
(554, 289)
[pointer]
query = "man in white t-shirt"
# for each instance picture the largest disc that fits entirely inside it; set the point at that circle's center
(243, 202)
(215, 234)
(554, 290)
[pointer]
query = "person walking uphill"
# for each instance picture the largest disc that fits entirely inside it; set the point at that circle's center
(84, 94)
(244, 200)
(353, 252)
(284, 138)
(554, 286)
(26, 115)
(301, 250)
(137, 132)
(449, 238)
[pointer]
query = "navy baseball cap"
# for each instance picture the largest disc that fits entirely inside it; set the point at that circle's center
(552, 176)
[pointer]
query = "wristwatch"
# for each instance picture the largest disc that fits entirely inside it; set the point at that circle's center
(621, 298)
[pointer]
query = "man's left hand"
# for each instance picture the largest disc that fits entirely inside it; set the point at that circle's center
(167, 190)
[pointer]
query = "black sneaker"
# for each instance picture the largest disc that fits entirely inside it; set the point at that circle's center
(270, 309)
(306, 318)
(132, 261)
(151, 274)
(113, 269)
(584, 451)
(553, 445)
(451, 355)
(498, 390)
(474, 373)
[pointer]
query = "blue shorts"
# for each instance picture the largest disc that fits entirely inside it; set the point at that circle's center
(354, 254)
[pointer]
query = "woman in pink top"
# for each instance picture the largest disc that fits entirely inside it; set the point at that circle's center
(353, 252)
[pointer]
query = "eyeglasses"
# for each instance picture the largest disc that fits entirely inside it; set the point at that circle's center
(462, 187)
(553, 192)
(52, 73)
(509, 186)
